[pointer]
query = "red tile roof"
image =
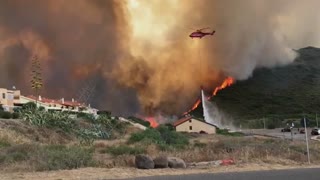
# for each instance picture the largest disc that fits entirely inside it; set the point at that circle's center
(180, 121)
(66, 103)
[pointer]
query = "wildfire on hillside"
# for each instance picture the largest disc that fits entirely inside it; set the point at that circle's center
(195, 105)
(226, 83)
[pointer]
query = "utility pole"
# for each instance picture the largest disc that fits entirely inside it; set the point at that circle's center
(306, 133)
(317, 120)
(264, 123)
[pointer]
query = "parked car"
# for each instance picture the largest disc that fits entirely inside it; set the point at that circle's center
(286, 129)
(315, 131)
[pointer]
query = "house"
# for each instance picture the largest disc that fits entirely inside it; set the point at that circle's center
(59, 105)
(194, 125)
(8, 98)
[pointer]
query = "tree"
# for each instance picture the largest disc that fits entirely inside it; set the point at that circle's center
(36, 80)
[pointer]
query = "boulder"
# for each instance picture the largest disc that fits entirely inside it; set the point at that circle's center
(175, 162)
(161, 162)
(144, 162)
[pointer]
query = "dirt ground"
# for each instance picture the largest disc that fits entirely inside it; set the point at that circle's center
(120, 173)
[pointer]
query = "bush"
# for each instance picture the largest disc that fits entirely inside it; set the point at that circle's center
(30, 106)
(6, 115)
(122, 149)
(41, 108)
(149, 134)
(1, 108)
(161, 136)
(15, 115)
(172, 138)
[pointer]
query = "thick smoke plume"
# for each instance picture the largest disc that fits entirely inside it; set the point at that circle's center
(139, 52)
(249, 34)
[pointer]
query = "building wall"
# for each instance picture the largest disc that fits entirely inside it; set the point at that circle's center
(195, 126)
(8, 97)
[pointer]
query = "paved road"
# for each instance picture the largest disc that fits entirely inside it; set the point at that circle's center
(295, 174)
(278, 133)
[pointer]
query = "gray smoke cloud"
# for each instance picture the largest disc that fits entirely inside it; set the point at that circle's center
(139, 52)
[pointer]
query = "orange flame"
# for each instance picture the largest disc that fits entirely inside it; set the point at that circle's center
(226, 83)
(193, 107)
(152, 121)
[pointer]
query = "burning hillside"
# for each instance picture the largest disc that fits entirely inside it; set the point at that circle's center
(226, 83)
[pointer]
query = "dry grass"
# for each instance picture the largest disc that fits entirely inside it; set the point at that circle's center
(241, 149)
(18, 132)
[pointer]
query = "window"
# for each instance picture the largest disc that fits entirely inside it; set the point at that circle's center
(190, 121)
(190, 127)
(3, 95)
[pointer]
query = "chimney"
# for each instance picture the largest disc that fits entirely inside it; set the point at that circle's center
(72, 100)
(40, 98)
(62, 100)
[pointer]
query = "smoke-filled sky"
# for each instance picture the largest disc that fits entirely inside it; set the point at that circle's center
(138, 51)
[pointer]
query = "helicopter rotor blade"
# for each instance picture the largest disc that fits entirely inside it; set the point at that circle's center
(204, 28)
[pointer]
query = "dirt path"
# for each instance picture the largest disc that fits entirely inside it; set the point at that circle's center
(120, 173)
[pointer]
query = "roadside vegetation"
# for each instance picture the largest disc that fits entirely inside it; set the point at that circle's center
(41, 140)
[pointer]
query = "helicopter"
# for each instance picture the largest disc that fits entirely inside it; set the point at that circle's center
(200, 34)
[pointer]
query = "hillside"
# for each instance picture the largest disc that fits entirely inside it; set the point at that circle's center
(281, 92)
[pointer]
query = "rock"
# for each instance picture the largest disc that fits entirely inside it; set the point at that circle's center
(144, 162)
(161, 162)
(175, 162)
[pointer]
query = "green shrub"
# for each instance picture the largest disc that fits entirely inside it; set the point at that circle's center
(30, 106)
(172, 138)
(41, 108)
(161, 136)
(123, 149)
(149, 134)
(15, 115)
(6, 115)
(1, 108)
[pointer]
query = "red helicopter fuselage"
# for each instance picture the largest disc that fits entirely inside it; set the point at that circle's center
(200, 34)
